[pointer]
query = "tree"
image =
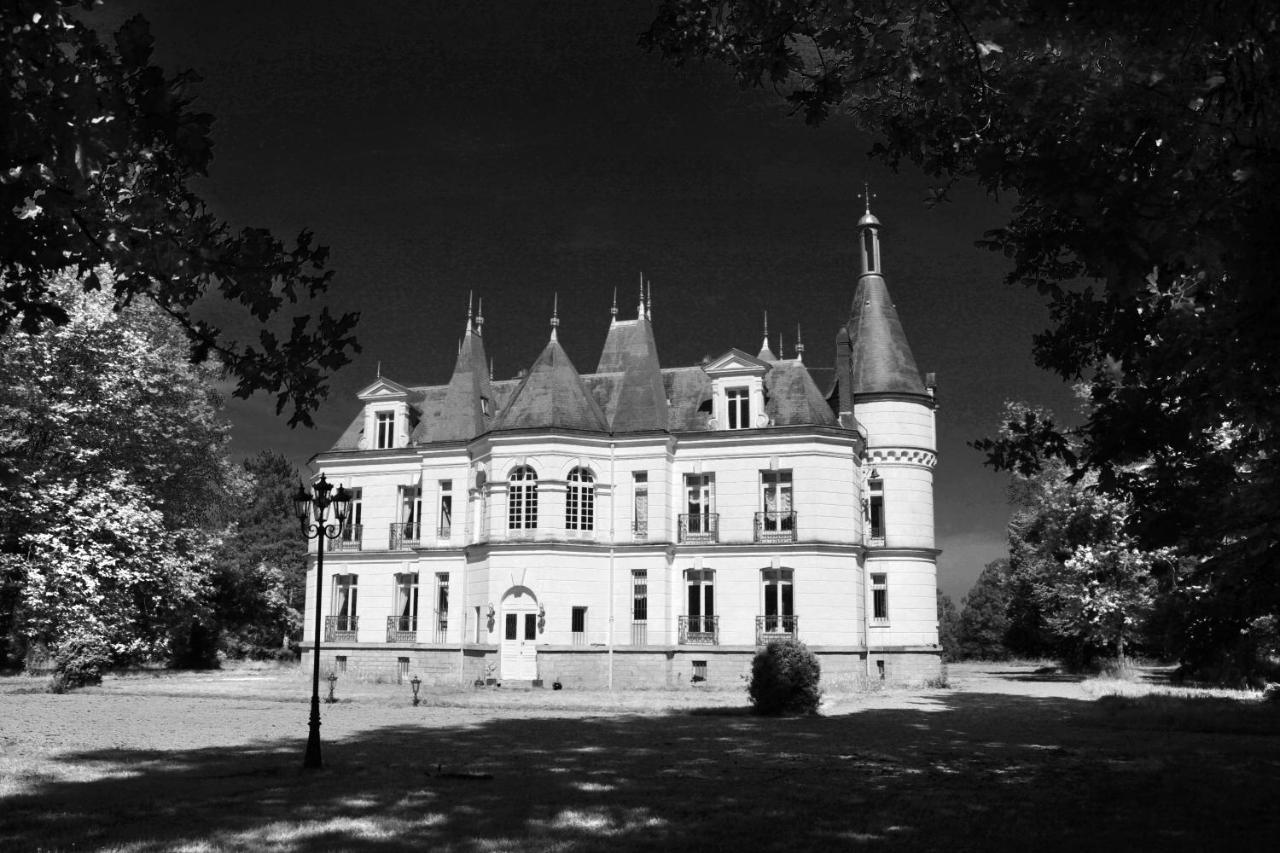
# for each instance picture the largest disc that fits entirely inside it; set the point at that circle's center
(1140, 145)
(948, 627)
(113, 478)
(984, 620)
(261, 568)
(99, 148)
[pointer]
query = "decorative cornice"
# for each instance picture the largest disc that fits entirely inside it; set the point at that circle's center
(901, 456)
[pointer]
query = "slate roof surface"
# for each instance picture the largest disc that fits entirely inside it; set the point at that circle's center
(793, 399)
(461, 414)
(552, 394)
(881, 360)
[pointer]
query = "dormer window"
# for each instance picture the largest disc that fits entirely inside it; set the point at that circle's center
(384, 430)
(738, 401)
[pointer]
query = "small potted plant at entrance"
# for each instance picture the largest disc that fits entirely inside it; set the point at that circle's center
(490, 679)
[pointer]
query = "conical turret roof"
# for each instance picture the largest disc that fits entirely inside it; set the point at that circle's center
(642, 402)
(881, 360)
(468, 406)
(552, 395)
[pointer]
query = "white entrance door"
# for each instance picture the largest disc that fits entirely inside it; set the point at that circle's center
(519, 639)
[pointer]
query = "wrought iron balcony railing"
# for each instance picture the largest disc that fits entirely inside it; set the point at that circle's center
(402, 629)
(700, 527)
(775, 526)
(700, 630)
(405, 534)
(442, 627)
(348, 539)
(639, 633)
(338, 629)
(776, 627)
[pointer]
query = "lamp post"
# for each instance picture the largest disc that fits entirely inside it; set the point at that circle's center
(312, 511)
(415, 683)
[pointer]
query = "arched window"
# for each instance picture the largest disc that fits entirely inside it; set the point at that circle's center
(522, 499)
(580, 501)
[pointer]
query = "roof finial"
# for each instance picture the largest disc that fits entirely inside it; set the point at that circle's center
(379, 368)
(555, 315)
(480, 315)
(867, 195)
(640, 307)
(766, 354)
(470, 326)
(799, 345)
(782, 348)
(648, 302)
(490, 370)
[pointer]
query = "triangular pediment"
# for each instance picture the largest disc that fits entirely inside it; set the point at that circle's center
(384, 389)
(735, 362)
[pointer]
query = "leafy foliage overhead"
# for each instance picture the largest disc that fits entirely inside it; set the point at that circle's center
(1139, 144)
(98, 149)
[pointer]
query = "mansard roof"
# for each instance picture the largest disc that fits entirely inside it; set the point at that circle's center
(552, 394)
(881, 360)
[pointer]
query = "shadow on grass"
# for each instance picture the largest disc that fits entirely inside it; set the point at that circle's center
(973, 771)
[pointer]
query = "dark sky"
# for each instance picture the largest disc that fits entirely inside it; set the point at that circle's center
(518, 149)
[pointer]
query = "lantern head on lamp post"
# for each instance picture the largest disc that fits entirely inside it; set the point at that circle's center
(313, 512)
(415, 683)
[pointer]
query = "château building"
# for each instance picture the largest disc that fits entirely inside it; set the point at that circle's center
(641, 525)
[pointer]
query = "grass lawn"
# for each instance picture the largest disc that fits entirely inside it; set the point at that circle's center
(1010, 758)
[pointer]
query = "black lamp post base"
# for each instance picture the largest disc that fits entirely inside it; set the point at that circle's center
(312, 760)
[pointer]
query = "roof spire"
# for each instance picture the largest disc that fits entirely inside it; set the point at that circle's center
(869, 236)
(470, 325)
(613, 311)
(799, 345)
(648, 302)
(555, 316)
(765, 353)
(640, 307)
(480, 315)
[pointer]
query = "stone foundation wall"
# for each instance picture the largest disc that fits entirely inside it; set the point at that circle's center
(587, 667)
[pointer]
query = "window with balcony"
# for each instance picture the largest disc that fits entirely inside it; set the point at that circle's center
(880, 598)
(442, 607)
(384, 430)
(402, 626)
(348, 538)
(700, 624)
(407, 532)
(875, 511)
(699, 523)
(738, 403)
(640, 504)
(522, 499)
(779, 619)
(580, 501)
(639, 607)
(444, 524)
(342, 624)
(776, 522)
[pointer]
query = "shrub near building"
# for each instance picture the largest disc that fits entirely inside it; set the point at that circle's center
(784, 679)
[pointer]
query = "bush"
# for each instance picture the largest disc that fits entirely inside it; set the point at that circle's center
(79, 662)
(784, 679)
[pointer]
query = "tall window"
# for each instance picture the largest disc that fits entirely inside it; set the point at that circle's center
(779, 605)
(411, 510)
(407, 602)
(639, 607)
(701, 588)
(442, 606)
(775, 499)
(385, 430)
(344, 601)
(351, 527)
(700, 493)
(446, 509)
(578, 625)
(875, 509)
(580, 501)
(522, 499)
(640, 503)
(880, 597)
(739, 401)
